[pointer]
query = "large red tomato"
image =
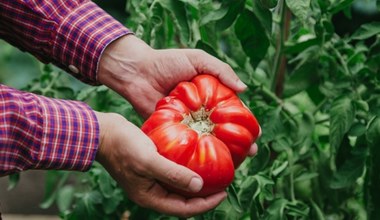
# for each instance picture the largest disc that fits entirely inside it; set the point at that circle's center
(204, 126)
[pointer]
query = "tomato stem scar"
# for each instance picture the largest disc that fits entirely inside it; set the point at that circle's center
(199, 121)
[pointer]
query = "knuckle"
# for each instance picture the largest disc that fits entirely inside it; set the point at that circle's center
(140, 200)
(174, 176)
(140, 168)
(183, 213)
(201, 52)
(227, 67)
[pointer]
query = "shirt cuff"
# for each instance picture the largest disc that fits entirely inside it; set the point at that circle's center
(70, 135)
(82, 37)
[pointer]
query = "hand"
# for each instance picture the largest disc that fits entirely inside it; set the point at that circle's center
(143, 75)
(133, 161)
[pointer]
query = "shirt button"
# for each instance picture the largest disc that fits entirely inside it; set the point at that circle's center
(73, 69)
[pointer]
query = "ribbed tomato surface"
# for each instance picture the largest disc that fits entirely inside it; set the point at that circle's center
(204, 126)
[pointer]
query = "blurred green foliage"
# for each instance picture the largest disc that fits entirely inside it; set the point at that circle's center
(12, 72)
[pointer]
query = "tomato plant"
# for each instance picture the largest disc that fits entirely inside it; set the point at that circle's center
(312, 68)
(204, 126)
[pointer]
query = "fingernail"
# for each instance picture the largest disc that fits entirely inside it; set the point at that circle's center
(195, 184)
(241, 85)
(253, 150)
(260, 132)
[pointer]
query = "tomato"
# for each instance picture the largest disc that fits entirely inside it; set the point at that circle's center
(204, 126)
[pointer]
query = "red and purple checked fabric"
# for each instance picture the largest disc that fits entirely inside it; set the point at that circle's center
(71, 34)
(42, 133)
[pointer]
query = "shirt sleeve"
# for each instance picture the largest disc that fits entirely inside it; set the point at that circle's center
(72, 34)
(43, 133)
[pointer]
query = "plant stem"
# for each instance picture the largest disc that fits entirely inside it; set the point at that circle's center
(319, 106)
(49, 87)
(279, 67)
(322, 121)
(267, 94)
(291, 175)
(346, 69)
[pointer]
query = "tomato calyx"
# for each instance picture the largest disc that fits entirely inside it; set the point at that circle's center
(199, 121)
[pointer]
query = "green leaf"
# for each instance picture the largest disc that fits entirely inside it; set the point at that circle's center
(373, 177)
(366, 31)
(158, 32)
(272, 126)
(297, 209)
(264, 15)
(306, 125)
(65, 197)
(64, 92)
(357, 129)
(54, 181)
(342, 114)
(276, 210)
(86, 206)
(361, 105)
(281, 144)
(339, 6)
(213, 16)
(324, 29)
(305, 176)
(85, 93)
(268, 3)
(252, 36)
(299, 8)
(373, 133)
(351, 170)
(249, 188)
(206, 47)
(110, 204)
(233, 199)
(351, 166)
(301, 46)
(253, 186)
(105, 184)
(234, 8)
(302, 78)
(13, 181)
(261, 160)
(278, 168)
(178, 10)
(316, 210)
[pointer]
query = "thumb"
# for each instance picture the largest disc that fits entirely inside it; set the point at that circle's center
(175, 175)
(204, 63)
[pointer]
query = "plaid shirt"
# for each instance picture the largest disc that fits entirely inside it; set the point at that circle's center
(42, 133)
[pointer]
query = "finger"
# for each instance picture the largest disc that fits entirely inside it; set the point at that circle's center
(207, 64)
(260, 131)
(253, 150)
(175, 175)
(173, 204)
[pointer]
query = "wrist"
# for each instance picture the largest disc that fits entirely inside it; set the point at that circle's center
(112, 127)
(102, 130)
(121, 60)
